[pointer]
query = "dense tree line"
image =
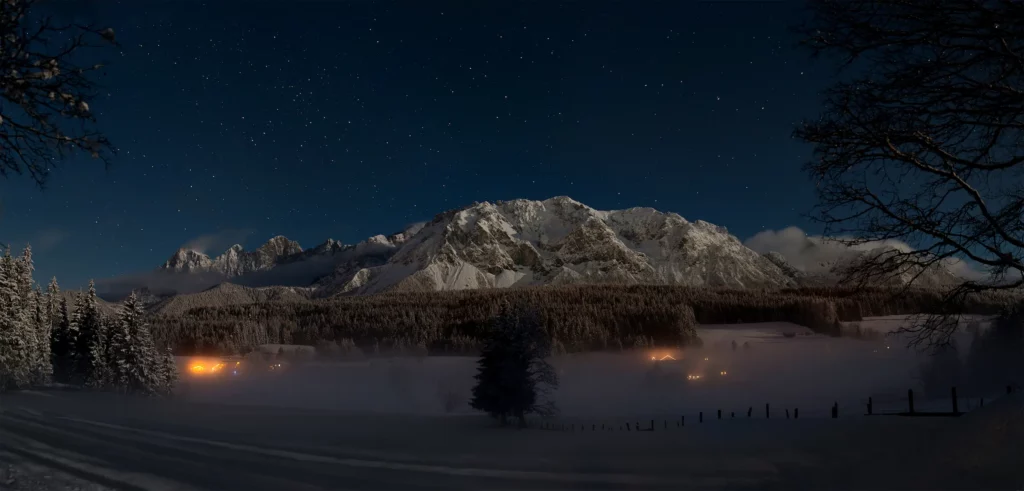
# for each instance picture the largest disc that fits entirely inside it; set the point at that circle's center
(42, 340)
(577, 318)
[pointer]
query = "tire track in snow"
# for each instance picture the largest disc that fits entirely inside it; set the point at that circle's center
(520, 475)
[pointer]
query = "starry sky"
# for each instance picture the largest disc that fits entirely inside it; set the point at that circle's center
(237, 121)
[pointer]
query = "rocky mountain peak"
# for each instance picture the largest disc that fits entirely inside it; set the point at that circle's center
(280, 246)
(187, 260)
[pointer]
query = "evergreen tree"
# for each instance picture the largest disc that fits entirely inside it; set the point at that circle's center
(167, 373)
(513, 376)
(132, 358)
(42, 369)
(26, 307)
(14, 354)
(63, 340)
(90, 345)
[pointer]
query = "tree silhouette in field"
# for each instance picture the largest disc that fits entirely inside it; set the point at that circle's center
(513, 377)
(46, 89)
(920, 139)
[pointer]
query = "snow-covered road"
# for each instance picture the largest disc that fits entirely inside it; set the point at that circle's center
(127, 443)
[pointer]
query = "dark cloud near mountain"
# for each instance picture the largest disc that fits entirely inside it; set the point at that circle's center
(301, 274)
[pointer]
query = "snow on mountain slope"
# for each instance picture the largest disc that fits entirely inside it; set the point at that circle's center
(558, 241)
(229, 294)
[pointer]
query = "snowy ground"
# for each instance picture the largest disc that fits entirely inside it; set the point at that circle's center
(389, 424)
(145, 444)
(18, 473)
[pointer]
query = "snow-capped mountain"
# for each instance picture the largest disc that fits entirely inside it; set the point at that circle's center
(513, 243)
(559, 241)
(497, 245)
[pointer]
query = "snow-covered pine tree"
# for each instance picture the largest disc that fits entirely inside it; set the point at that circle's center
(24, 268)
(168, 372)
(62, 342)
(42, 370)
(14, 357)
(90, 367)
(51, 318)
(133, 359)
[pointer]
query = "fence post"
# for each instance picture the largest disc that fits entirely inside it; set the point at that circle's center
(750, 411)
(796, 413)
(869, 407)
(719, 414)
(787, 413)
(682, 421)
(732, 414)
(666, 423)
(910, 399)
(652, 425)
(956, 410)
(767, 414)
(627, 427)
(700, 417)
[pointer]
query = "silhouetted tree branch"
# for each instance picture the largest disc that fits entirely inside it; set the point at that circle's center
(45, 91)
(920, 139)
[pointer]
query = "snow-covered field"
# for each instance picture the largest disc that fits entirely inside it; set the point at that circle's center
(404, 423)
(778, 363)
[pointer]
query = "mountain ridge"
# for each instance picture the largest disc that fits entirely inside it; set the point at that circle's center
(498, 245)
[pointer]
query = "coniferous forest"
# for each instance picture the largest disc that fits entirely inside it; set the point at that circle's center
(577, 318)
(43, 340)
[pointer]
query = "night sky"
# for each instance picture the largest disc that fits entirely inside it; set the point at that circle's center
(237, 121)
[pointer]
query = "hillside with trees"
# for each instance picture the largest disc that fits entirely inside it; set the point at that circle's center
(577, 318)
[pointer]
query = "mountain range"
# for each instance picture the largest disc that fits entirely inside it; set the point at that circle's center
(498, 245)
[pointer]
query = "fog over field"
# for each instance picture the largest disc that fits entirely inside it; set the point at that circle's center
(781, 364)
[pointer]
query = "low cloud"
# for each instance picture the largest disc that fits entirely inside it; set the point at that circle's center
(42, 241)
(49, 238)
(817, 254)
(156, 282)
(300, 273)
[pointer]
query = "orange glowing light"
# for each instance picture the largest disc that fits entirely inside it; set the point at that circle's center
(667, 357)
(205, 366)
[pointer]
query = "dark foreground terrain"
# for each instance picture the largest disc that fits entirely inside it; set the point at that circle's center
(128, 443)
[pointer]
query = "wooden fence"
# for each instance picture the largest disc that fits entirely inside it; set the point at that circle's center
(957, 406)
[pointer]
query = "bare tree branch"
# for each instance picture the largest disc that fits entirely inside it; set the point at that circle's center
(46, 90)
(920, 139)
